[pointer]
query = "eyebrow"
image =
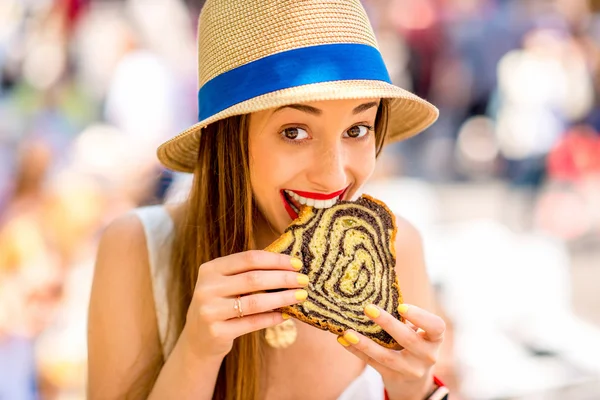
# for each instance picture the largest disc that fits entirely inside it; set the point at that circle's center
(315, 111)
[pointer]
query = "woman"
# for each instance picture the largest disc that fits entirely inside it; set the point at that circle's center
(294, 96)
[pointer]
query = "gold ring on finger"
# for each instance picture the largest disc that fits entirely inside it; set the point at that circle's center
(237, 306)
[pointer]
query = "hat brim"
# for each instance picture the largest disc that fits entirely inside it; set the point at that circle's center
(408, 114)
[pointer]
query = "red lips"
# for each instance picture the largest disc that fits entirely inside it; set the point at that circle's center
(293, 214)
(310, 195)
(319, 196)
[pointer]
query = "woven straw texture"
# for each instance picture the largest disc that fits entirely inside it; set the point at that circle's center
(232, 33)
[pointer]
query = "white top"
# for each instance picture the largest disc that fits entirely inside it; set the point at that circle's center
(158, 227)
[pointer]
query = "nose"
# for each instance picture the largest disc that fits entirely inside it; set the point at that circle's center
(328, 169)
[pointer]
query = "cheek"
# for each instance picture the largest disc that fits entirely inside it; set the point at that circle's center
(270, 169)
(259, 163)
(361, 163)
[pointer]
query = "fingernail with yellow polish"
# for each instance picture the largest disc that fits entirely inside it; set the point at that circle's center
(296, 264)
(372, 311)
(302, 279)
(342, 341)
(301, 295)
(403, 308)
(285, 316)
(351, 337)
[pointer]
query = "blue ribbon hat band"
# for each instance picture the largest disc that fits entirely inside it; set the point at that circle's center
(297, 67)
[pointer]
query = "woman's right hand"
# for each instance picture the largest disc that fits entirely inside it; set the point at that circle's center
(213, 322)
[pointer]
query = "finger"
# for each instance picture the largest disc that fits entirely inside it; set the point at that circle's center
(237, 327)
(255, 259)
(411, 325)
(348, 346)
(255, 281)
(433, 325)
(391, 359)
(406, 336)
(260, 303)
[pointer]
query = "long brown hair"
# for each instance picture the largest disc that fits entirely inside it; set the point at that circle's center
(219, 221)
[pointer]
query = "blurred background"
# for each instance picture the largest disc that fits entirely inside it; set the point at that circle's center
(505, 187)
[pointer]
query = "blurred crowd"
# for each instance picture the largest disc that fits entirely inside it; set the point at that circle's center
(88, 88)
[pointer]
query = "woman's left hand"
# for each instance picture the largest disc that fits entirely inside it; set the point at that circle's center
(407, 373)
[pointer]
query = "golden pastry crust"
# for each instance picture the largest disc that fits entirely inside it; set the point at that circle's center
(348, 252)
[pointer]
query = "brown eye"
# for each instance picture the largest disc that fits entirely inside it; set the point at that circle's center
(291, 133)
(358, 131)
(294, 133)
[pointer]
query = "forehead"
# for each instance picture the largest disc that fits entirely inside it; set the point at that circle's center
(338, 108)
(347, 104)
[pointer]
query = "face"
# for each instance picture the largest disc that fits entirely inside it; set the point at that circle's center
(311, 153)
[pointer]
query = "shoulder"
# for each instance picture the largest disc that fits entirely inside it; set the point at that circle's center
(122, 333)
(407, 235)
(123, 240)
(127, 226)
(122, 256)
(410, 265)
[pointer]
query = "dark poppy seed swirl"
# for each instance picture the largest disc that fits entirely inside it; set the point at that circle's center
(348, 253)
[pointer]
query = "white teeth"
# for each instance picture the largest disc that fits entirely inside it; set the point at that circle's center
(312, 202)
(330, 203)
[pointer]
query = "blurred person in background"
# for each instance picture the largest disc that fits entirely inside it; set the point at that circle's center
(32, 166)
(30, 273)
(158, 322)
(542, 88)
(51, 207)
(568, 207)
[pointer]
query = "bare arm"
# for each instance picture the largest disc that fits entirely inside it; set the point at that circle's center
(417, 289)
(410, 267)
(123, 340)
(122, 333)
(180, 377)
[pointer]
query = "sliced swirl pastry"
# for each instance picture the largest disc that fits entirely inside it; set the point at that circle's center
(348, 253)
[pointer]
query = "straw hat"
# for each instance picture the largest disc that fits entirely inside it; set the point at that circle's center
(259, 54)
